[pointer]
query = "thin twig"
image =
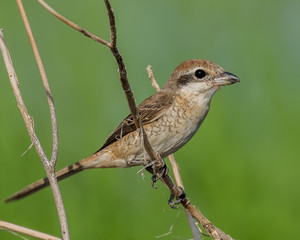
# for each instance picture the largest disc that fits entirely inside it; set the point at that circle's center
(152, 78)
(73, 25)
(212, 230)
(112, 24)
(27, 231)
(49, 166)
(27, 150)
(45, 83)
(166, 234)
(179, 182)
(126, 86)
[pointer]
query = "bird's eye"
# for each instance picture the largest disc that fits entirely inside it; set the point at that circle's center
(200, 73)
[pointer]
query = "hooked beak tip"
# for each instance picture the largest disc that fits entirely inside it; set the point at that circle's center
(231, 77)
(226, 78)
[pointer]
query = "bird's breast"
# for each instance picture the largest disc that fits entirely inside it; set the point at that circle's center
(167, 134)
(177, 126)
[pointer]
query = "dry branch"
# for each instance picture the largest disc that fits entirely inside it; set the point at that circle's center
(154, 157)
(27, 231)
(45, 83)
(49, 166)
(71, 24)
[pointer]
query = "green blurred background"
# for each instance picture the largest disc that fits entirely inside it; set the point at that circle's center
(242, 167)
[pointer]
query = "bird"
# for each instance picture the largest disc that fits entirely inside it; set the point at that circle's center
(170, 118)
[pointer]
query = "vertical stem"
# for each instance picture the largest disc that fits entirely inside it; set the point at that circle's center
(49, 166)
(45, 83)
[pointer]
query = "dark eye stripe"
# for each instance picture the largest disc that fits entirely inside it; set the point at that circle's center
(184, 79)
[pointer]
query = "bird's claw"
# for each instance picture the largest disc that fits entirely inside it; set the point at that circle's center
(173, 202)
(153, 181)
(156, 175)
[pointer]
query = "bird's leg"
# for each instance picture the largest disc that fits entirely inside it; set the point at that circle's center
(161, 173)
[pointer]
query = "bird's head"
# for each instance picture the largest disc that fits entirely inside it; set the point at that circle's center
(199, 76)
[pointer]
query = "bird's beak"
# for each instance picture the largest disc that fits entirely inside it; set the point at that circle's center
(225, 78)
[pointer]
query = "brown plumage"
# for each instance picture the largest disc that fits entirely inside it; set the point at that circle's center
(150, 110)
(170, 118)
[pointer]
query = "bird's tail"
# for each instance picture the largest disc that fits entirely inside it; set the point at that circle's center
(98, 160)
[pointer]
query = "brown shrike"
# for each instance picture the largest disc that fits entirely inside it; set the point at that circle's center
(170, 118)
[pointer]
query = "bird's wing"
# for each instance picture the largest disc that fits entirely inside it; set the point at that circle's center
(150, 110)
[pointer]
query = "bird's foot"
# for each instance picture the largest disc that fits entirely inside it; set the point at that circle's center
(157, 173)
(179, 199)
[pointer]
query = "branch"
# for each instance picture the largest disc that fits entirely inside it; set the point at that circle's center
(27, 231)
(71, 24)
(152, 79)
(49, 166)
(154, 157)
(45, 83)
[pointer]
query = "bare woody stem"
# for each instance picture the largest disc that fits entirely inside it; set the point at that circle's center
(126, 86)
(30, 129)
(49, 166)
(73, 25)
(45, 83)
(27, 231)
